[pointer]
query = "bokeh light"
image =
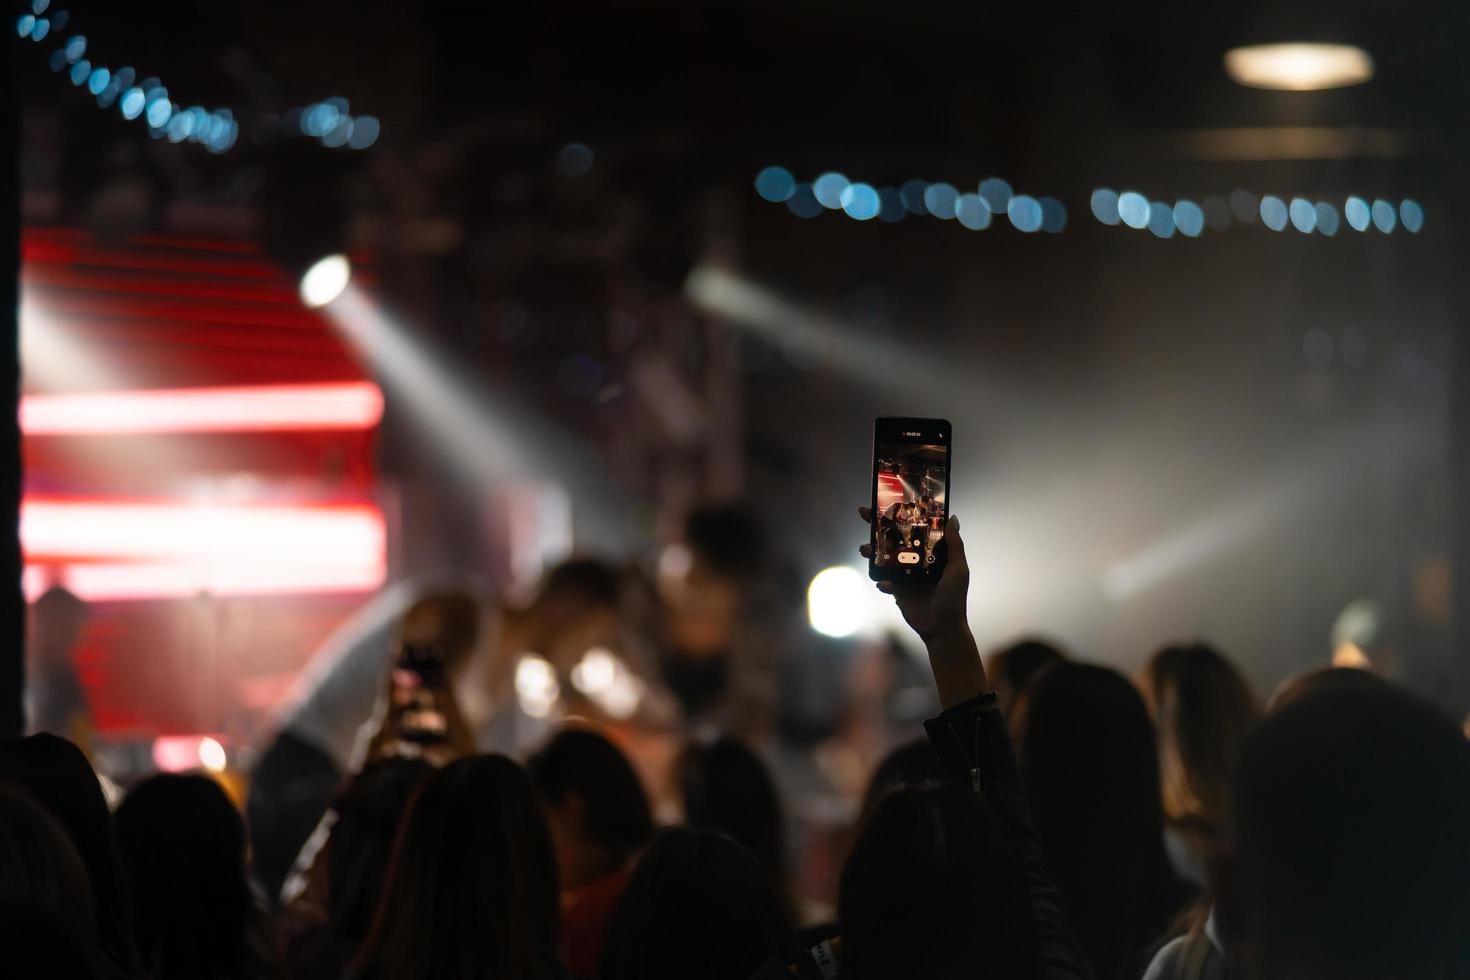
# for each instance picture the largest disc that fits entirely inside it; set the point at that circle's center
(1105, 206)
(1245, 206)
(339, 134)
(1025, 213)
(1327, 219)
(912, 194)
(837, 601)
(1274, 212)
(828, 188)
(775, 184)
(972, 212)
(1411, 215)
(365, 131)
(860, 201)
(25, 24)
(1053, 216)
(803, 202)
(1384, 216)
(98, 80)
(572, 160)
(1303, 214)
(212, 755)
(996, 194)
(80, 71)
(75, 48)
(1161, 219)
(131, 104)
(939, 200)
(1133, 209)
(158, 112)
(537, 689)
(1358, 214)
(1189, 218)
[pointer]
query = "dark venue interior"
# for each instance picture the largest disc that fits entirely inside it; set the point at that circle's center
(439, 433)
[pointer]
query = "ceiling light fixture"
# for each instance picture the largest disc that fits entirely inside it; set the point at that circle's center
(1298, 67)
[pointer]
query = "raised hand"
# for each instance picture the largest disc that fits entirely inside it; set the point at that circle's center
(937, 613)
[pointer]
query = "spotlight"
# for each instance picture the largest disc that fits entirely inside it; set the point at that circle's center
(1303, 67)
(837, 601)
(325, 280)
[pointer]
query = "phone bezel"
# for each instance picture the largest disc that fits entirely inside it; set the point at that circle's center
(930, 431)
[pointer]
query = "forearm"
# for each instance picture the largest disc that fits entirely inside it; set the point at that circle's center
(958, 671)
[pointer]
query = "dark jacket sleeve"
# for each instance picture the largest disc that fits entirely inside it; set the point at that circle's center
(975, 748)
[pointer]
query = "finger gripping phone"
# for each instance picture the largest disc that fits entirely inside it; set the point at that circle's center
(910, 503)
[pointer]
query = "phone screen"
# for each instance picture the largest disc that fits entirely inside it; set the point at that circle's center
(911, 460)
(420, 679)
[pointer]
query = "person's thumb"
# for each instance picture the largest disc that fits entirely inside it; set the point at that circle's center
(952, 539)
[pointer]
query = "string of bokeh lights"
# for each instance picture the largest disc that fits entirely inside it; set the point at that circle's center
(1131, 209)
(975, 210)
(217, 130)
(146, 98)
(330, 122)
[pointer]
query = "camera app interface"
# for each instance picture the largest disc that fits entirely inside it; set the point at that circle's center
(911, 504)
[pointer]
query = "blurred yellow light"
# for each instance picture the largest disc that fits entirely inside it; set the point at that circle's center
(1350, 655)
(1298, 67)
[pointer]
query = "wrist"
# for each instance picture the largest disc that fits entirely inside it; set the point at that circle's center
(946, 636)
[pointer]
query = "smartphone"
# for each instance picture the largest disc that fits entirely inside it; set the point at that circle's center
(420, 681)
(911, 461)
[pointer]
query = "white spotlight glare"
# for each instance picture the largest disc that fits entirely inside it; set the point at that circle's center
(595, 672)
(212, 754)
(325, 280)
(837, 601)
(536, 686)
(1301, 67)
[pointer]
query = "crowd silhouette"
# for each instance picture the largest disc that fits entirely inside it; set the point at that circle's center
(1054, 820)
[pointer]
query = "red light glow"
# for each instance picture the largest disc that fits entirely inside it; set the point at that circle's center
(350, 405)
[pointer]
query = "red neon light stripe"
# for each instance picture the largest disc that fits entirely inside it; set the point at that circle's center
(90, 529)
(132, 581)
(350, 405)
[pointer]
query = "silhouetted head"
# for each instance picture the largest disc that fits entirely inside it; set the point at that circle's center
(1087, 753)
(57, 776)
(934, 889)
(183, 846)
(57, 619)
(726, 787)
(368, 811)
(1300, 684)
(471, 887)
(576, 608)
(698, 905)
(38, 864)
(1351, 850)
(47, 927)
(913, 765)
(1203, 709)
(595, 804)
(1011, 668)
